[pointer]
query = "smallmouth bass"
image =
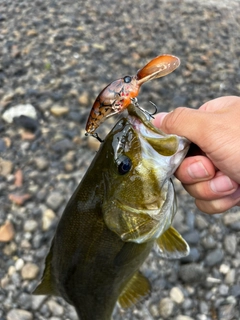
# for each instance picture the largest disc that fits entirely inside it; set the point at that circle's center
(124, 205)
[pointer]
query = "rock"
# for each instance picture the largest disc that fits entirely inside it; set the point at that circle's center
(192, 273)
(214, 257)
(29, 271)
(37, 301)
(7, 232)
(230, 276)
(226, 312)
(6, 167)
(224, 268)
(30, 225)
(176, 295)
(19, 199)
(230, 244)
(18, 178)
(55, 308)
(84, 99)
(27, 123)
(19, 264)
(54, 200)
(62, 146)
(231, 218)
(192, 237)
(223, 289)
(193, 256)
(235, 291)
(59, 110)
(19, 110)
(166, 308)
(41, 163)
(209, 242)
(181, 317)
(47, 219)
(19, 314)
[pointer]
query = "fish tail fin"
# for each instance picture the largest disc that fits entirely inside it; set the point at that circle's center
(172, 245)
(46, 286)
(137, 288)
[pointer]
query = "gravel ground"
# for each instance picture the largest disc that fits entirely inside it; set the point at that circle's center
(56, 56)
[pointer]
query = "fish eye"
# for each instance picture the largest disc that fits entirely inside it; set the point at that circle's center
(124, 164)
(127, 79)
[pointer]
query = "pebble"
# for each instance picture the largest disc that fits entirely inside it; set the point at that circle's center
(193, 256)
(19, 199)
(30, 225)
(176, 295)
(6, 167)
(62, 146)
(84, 99)
(181, 317)
(214, 257)
(19, 110)
(7, 232)
(230, 276)
(209, 242)
(166, 308)
(29, 271)
(59, 110)
(235, 290)
(37, 301)
(226, 312)
(55, 308)
(19, 264)
(192, 237)
(54, 200)
(47, 219)
(41, 163)
(192, 273)
(230, 244)
(19, 314)
(231, 218)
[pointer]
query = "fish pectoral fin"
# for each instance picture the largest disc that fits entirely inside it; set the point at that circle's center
(46, 286)
(171, 245)
(137, 288)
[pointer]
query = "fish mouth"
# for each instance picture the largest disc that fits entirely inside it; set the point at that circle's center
(152, 208)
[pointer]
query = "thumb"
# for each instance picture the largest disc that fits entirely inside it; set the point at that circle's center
(182, 121)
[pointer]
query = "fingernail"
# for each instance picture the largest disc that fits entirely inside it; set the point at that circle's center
(197, 170)
(221, 184)
(159, 119)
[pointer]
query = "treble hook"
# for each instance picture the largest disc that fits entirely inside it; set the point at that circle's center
(136, 104)
(94, 135)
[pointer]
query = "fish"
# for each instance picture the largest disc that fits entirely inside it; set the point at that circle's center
(121, 93)
(122, 208)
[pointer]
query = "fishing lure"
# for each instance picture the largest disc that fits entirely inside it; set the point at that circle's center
(119, 94)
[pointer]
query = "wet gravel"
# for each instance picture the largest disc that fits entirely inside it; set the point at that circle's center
(56, 56)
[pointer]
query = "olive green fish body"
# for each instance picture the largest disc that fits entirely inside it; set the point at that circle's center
(124, 204)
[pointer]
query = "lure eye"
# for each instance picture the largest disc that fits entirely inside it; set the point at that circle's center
(124, 164)
(127, 79)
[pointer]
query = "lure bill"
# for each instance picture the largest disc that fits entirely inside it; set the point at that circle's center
(119, 94)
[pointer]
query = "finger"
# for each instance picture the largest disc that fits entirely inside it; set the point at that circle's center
(195, 169)
(219, 103)
(184, 122)
(213, 189)
(219, 205)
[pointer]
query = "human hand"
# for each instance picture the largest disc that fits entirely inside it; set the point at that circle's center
(212, 175)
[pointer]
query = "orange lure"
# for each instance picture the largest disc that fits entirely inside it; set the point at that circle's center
(119, 94)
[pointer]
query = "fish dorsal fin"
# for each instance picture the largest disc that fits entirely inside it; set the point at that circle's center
(46, 285)
(137, 288)
(171, 245)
